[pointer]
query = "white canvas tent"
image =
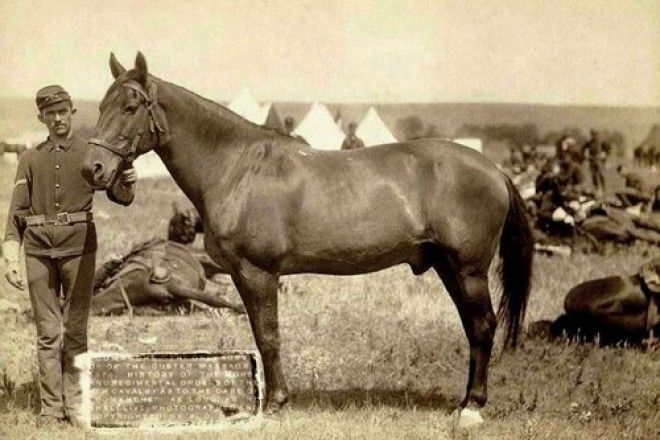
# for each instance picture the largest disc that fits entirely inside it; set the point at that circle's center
(270, 117)
(245, 105)
(318, 127)
(373, 131)
(150, 165)
(474, 143)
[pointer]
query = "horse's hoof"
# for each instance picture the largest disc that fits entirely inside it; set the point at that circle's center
(278, 403)
(274, 408)
(466, 418)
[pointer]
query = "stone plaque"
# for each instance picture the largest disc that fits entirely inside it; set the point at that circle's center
(170, 389)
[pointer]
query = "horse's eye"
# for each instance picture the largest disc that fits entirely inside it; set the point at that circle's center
(130, 109)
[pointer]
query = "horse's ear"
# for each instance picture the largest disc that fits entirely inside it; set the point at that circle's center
(141, 68)
(115, 67)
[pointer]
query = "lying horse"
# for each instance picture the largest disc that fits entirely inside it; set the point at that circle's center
(271, 206)
(156, 273)
(616, 308)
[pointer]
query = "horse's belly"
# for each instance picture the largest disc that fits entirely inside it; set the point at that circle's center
(342, 261)
(379, 238)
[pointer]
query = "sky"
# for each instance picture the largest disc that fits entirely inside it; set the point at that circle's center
(588, 52)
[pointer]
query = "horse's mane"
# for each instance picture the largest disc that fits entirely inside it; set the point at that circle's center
(213, 111)
(112, 267)
(216, 108)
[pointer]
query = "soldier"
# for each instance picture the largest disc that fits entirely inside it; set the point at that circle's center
(596, 151)
(288, 129)
(352, 142)
(636, 190)
(51, 215)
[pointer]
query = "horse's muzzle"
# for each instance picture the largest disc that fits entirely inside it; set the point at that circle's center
(95, 171)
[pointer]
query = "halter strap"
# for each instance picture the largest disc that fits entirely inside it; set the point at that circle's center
(155, 127)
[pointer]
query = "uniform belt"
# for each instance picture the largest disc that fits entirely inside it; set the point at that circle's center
(59, 219)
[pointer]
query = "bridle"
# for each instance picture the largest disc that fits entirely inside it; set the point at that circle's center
(157, 125)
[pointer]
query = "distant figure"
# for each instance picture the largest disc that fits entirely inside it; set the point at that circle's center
(288, 125)
(352, 142)
(647, 151)
(636, 190)
(596, 152)
(567, 148)
(517, 162)
(570, 177)
(288, 129)
(655, 203)
(184, 225)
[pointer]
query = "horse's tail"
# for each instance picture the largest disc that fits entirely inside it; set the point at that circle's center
(516, 252)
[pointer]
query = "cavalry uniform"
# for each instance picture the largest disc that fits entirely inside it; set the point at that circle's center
(51, 214)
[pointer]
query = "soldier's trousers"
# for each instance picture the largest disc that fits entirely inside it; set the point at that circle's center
(60, 292)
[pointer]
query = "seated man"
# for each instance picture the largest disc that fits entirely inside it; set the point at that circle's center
(636, 190)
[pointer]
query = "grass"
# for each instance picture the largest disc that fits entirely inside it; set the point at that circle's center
(374, 356)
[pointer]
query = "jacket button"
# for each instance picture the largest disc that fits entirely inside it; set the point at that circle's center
(57, 167)
(57, 185)
(57, 205)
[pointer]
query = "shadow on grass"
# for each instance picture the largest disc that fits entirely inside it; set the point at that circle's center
(362, 398)
(24, 396)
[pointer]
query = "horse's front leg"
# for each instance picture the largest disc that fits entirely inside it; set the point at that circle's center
(258, 289)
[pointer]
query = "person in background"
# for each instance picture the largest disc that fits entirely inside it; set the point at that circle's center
(595, 151)
(288, 129)
(636, 190)
(352, 142)
(51, 216)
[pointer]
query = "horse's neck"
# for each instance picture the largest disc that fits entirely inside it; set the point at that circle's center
(206, 141)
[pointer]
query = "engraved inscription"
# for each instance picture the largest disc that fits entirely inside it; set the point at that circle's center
(161, 390)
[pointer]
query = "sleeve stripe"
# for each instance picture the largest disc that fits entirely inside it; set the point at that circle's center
(21, 182)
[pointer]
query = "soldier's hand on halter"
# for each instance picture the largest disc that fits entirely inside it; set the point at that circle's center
(129, 176)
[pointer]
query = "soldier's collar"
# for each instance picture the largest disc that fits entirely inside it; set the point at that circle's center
(64, 143)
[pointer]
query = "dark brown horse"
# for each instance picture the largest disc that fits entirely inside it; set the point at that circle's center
(273, 206)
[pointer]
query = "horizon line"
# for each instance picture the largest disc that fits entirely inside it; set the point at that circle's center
(376, 103)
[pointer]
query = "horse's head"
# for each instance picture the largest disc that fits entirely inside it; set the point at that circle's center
(131, 122)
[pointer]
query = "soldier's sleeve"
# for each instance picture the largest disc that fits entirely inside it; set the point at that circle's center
(20, 202)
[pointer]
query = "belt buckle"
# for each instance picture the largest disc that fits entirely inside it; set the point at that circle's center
(62, 218)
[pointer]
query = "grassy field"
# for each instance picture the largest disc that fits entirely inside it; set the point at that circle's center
(375, 356)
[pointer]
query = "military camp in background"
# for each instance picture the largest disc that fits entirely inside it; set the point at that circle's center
(373, 131)
(318, 127)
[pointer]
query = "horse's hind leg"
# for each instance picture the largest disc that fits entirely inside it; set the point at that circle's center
(468, 288)
(258, 289)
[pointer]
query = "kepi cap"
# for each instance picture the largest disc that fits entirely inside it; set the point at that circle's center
(50, 95)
